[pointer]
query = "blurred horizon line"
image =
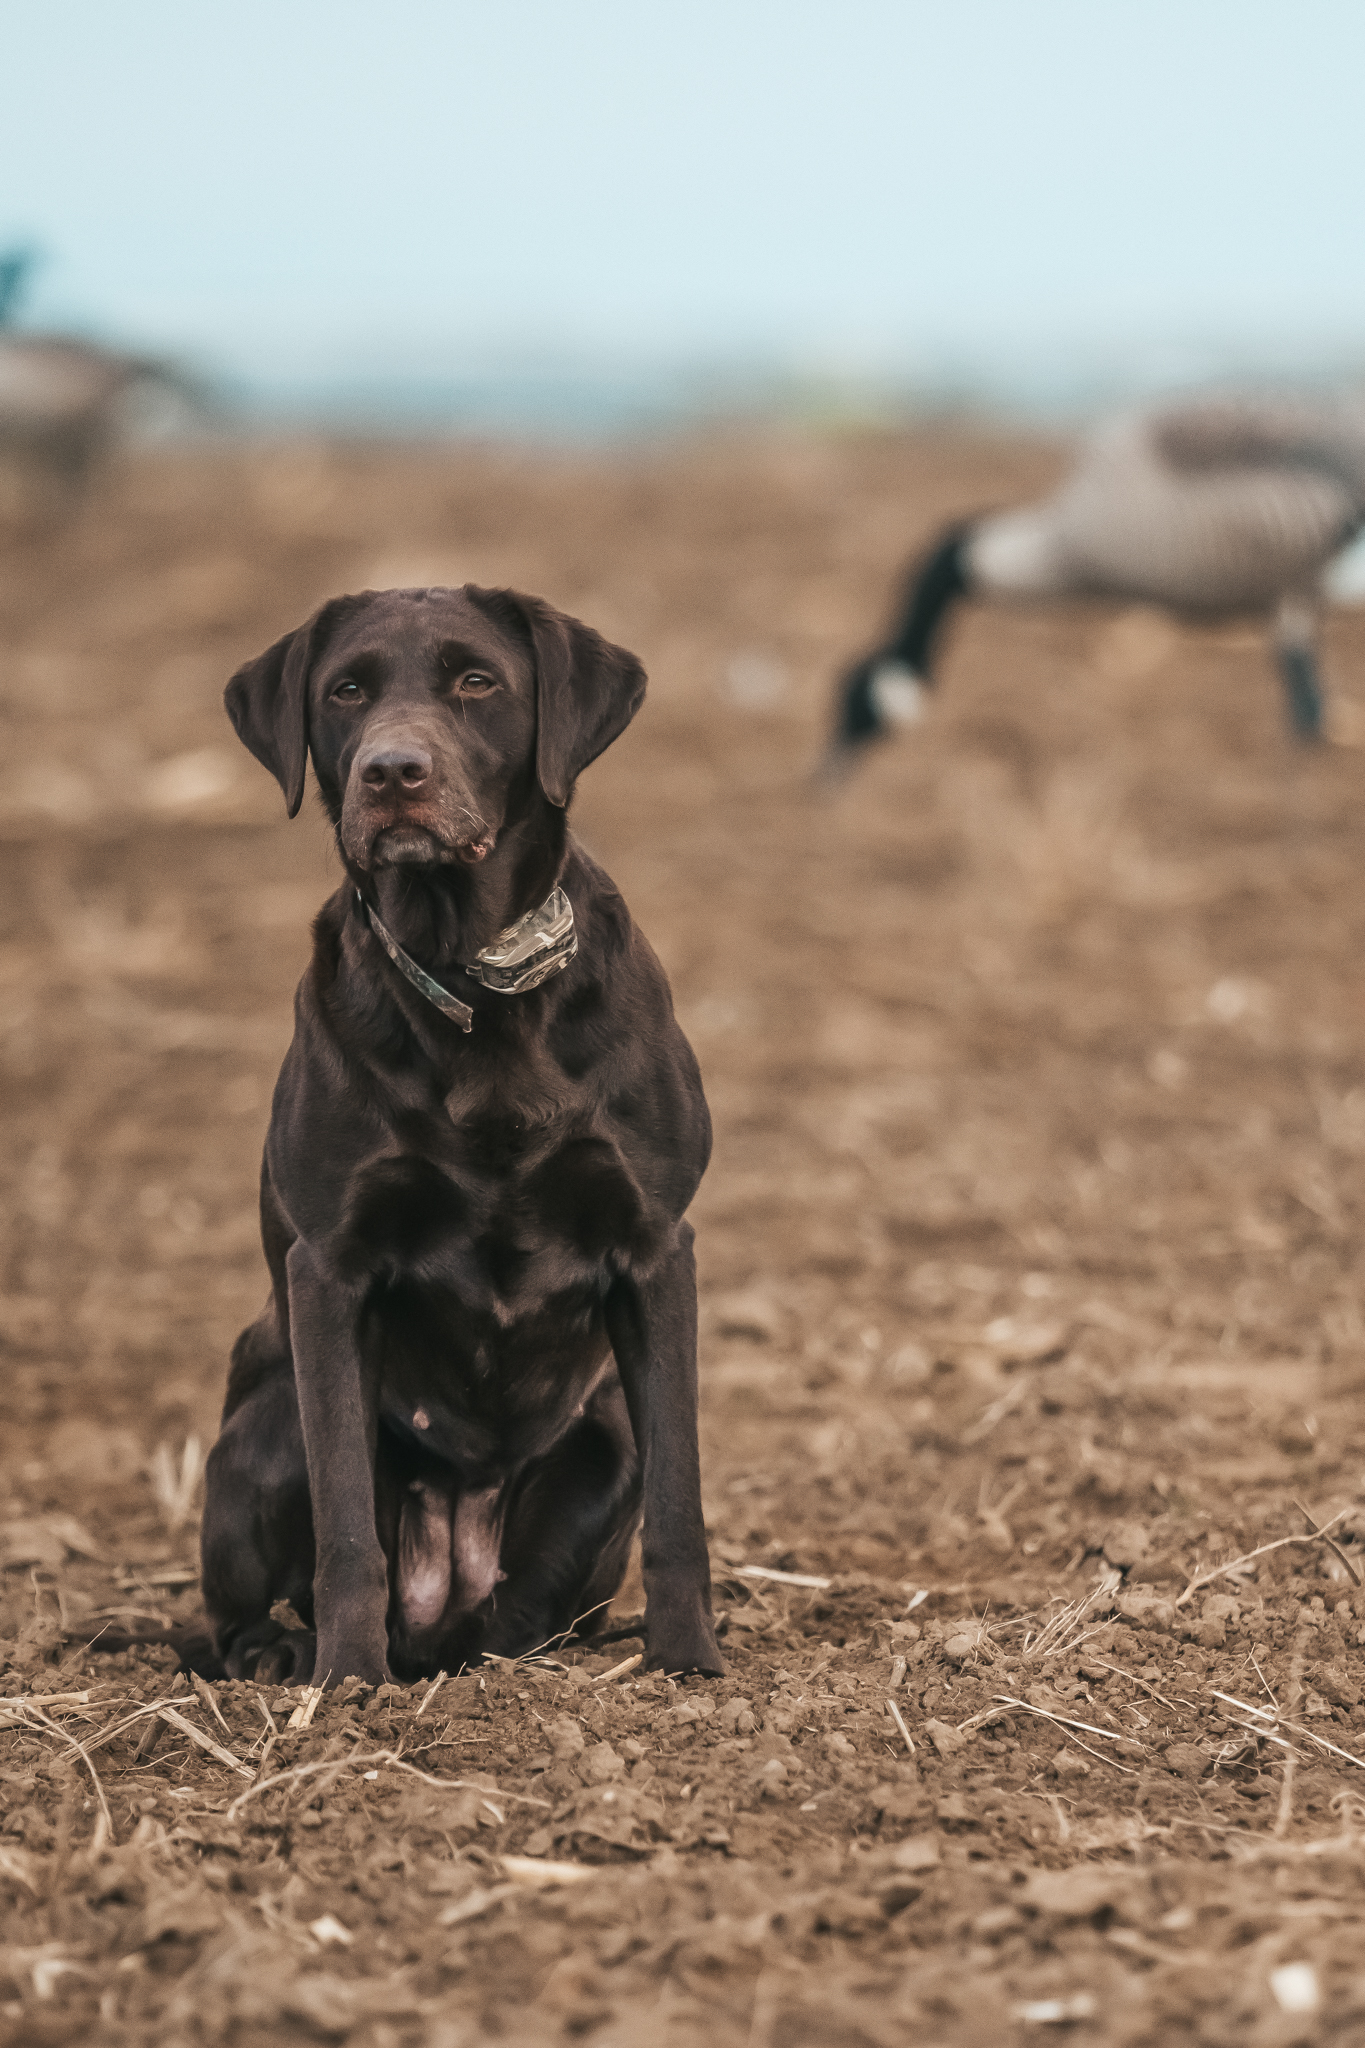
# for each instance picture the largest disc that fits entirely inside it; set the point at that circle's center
(585, 394)
(581, 392)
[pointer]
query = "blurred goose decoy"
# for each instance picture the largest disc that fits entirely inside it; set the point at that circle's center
(61, 398)
(1211, 509)
(62, 408)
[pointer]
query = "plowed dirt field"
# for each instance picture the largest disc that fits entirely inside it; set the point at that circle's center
(1031, 1291)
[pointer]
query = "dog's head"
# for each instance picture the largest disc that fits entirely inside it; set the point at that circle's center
(432, 714)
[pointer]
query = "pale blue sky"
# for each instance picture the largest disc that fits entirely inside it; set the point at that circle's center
(852, 181)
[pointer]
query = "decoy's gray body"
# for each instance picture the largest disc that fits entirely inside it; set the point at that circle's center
(1215, 509)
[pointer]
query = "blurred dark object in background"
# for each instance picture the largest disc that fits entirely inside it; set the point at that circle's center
(64, 403)
(15, 266)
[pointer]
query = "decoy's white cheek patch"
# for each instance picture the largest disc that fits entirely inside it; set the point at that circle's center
(1012, 554)
(897, 694)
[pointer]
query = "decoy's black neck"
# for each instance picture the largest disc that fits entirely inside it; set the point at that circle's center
(938, 581)
(936, 584)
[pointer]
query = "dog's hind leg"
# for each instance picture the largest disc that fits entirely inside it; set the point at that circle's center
(568, 1533)
(257, 1541)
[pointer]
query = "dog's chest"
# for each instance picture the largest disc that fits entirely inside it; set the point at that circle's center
(490, 1264)
(501, 1220)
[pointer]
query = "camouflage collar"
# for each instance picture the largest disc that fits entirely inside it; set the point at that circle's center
(538, 945)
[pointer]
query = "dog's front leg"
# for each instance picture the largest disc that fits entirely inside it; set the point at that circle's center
(653, 1329)
(337, 1411)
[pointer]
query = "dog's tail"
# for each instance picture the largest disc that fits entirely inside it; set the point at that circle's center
(190, 1640)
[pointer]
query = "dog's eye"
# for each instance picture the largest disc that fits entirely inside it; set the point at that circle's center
(347, 691)
(474, 683)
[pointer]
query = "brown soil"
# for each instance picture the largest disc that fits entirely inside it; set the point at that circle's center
(1031, 1290)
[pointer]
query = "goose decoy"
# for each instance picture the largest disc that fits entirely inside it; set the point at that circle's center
(60, 404)
(1211, 509)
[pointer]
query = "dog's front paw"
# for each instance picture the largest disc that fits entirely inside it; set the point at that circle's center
(340, 1660)
(683, 1645)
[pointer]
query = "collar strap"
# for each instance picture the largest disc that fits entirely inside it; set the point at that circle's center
(538, 945)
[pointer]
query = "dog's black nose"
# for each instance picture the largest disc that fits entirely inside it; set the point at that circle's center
(398, 769)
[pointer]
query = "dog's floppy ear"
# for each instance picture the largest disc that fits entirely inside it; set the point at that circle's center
(267, 701)
(587, 692)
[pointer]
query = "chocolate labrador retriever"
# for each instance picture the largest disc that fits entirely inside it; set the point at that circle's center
(477, 1366)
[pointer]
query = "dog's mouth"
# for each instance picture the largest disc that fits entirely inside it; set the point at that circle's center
(405, 844)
